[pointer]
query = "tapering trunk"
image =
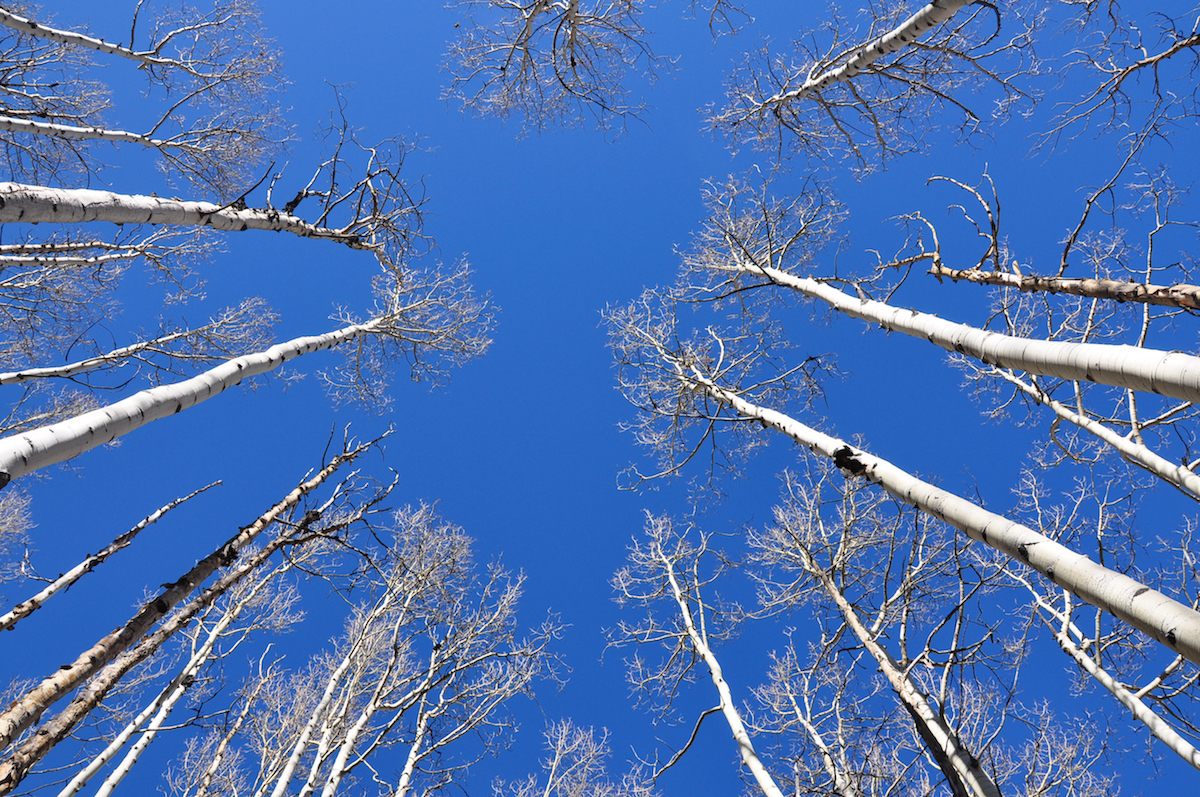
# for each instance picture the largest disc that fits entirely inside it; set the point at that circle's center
(24, 453)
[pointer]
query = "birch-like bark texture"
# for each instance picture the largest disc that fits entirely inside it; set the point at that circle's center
(1187, 296)
(28, 606)
(903, 35)
(26, 710)
(297, 531)
(645, 345)
(871, 94)
(28, 452)
(232, 331)
(1172, 374)
(956, 762)
(664, 566)
(150, 57)
(430, 319)
(430, 659)
(33, 204)
(1069, 637)
(217, 75)
(1180, 476)
(149, 721)
(733, 718)
(1162, 618)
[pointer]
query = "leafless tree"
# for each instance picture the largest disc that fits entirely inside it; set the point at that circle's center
(552, 62)
(428, 660)
(104, 664)
(213, 73)
(575, 767)
(872, 93)
(943, 709)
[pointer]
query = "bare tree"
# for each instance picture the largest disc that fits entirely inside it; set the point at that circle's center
(428, 660)
(575, 767)
(552, 62)
(871, 93)
(433, 319)
(216, 72)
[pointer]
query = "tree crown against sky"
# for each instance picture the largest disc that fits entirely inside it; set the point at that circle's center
(894, 627)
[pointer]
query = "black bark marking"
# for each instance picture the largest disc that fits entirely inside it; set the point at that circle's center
(1140, 591)
(845, 459)
(1171, 637)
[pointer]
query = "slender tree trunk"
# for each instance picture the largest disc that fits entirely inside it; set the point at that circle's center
(1179, 475)
(1158, 727)
(27, 709)
(962, 770)
(28, 607)
(745, 747)
(1166, 373)
(74, 133)
(893, 41)
(161, 706)
(24, 25)
(23, 453)
(1166, 620)
(1117, 290)
(33, 204)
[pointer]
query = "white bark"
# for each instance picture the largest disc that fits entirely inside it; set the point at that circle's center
(1159, 728)
(100, 360)
(745, 747)
(36, 204)
(75, 133)
(1166, 373)
(1178, 475)
(893, 41)
(28, 607)
(1166, 620)
(28, 709)
(24, 453)
(160, 707)
(320, 711)
(404, 784)
(933, 727)
(24, 25)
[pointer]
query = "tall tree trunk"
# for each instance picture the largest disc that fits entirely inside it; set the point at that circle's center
(24, 453)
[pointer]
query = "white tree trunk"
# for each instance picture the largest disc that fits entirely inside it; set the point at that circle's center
(23, 453)
(28, 607)
(931, 726)
(1166, 373)
(1159, 728)
(163, 703)
(74, 133)
(893, 41)
(24, 25)
(28, 709)
(745, 747)
(33, 204)
(1166, 620)
(1178, 475)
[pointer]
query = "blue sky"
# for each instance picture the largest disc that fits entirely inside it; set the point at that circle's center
(523, 448)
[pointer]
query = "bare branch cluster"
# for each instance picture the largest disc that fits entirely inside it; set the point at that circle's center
(552, 61)
(871, 94)
(213, 72)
